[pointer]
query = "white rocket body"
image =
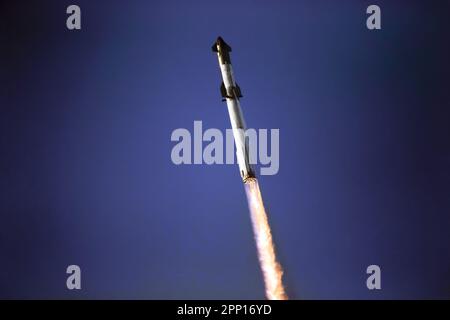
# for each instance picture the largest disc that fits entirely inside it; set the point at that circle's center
(231, 94)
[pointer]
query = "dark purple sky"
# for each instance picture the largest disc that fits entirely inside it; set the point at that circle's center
(86, 176)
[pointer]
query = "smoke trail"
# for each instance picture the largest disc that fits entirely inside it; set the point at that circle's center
(271, 269)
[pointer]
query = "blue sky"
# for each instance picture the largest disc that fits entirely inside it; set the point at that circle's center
(86, 174)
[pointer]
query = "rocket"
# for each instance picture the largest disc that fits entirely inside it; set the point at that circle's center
(231, 93)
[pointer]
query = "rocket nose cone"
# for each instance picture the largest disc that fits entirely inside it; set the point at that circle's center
(216, 45)
(222, 45)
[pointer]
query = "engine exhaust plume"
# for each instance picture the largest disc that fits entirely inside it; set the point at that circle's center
(271, 269)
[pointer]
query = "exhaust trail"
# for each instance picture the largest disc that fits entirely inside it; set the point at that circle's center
(271, 269)
(231, 93)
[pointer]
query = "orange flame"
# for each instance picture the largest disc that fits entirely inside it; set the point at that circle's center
(271, 269)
